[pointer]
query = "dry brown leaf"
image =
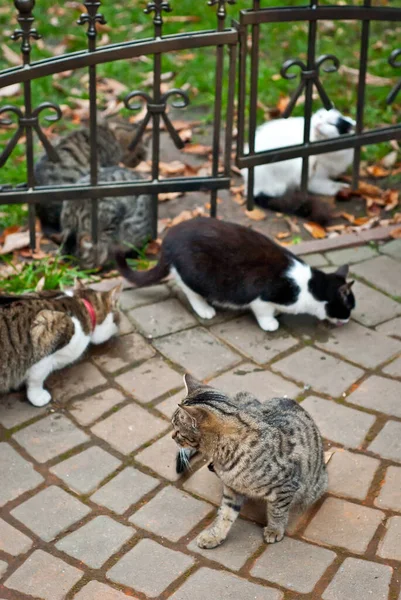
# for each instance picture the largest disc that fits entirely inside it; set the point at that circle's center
(369, 190)
(153, 248)
(396, 233)
(186, 215)
(353, 76)
(374, 210)
(348, 217)
(256, 214)
(7, 231)
(391, 198)
(283, 103)
(144, 167)
(390, 159)
(12, 57)
(185, 135)
(35, 254)
(175, 167)
(281, 235)
(292, 224)
(169, 196)
(191, 170)
(317, 231)
(361, 220)
(15, 241)
(182, 19)
(179, 125)
(237, 189)
(239, 199)
(339, 227)
(10, 90)
(199, 149)
(377, 171)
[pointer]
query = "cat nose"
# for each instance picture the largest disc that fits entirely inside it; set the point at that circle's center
(344, 125)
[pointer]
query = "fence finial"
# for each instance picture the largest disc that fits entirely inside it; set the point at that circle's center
(25, 19)
(92, 17)
(221, 8)
(394, 61)
(158, 6)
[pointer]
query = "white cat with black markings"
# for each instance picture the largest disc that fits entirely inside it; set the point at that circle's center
(224, 264)
(278, 179)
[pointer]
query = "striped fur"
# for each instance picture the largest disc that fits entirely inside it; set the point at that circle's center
(272, 451)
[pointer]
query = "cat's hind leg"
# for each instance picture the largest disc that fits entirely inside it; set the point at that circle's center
(199, 304)
(278, 510)
(227, 515)
(264, 313)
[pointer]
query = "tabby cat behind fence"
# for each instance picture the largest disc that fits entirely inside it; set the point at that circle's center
(224, 264)
(271, 451)
(44, 333)
(113, 139)
(121, 220)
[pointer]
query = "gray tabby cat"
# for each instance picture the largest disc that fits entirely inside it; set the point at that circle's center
(120, 219)
(113, 140)
(46, 331)
(272, 451)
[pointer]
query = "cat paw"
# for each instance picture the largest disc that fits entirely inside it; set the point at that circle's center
(39, 397)
(208, 539)
(269, 324)
(272, 535)
(205, 312)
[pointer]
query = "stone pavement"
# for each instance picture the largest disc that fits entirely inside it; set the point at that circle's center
(91, 507)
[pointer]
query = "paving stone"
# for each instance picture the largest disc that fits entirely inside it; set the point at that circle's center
(339, 423)
(85, 471)
(50, 512)
(349, 256)
(262, 384)
(50, 437)
(169, 406)
(17, 474)
(88, 410)
(392, 327)
(3, 567)
(305, 327)
(161, 457)
(225, 586)
(129, 428)
(150, 568)
(322, 372)
(358, 580)
(390, 492)
(388, 442)
(198, 352)
(394, 368)
(293, 564)
(13, 541)
(378, 393)
(171, 514)
(96, 541)
(98, 591)
(243, 541)
(139, 297)
(15, 410)
(150, 380)
(315, 260)
(390, 546)
(125, 326)
(124, 490)
(392, 248)
(361, 345)
(44, 576)
(382, 272)
(163, 318)
(341, 523)
(351, 474)
(120, 352)
(75, 380)
(247, 337)
(206, 484)
(373, 307)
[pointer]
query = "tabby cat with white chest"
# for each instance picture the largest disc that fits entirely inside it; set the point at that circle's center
(271, 451)
(224, 264)
(44, 332)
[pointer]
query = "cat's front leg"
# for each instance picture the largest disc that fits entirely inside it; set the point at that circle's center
(35, 379)
(264, 313)
(226, 517)
(325, 187)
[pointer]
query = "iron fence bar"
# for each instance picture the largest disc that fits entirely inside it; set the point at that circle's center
(78, 192)
(242, 32)
(253, 105)
(322, 13)
(230, 109)
(363, 67)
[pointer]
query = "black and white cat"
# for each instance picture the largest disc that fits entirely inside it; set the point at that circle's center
(277, 179)
(228, 265)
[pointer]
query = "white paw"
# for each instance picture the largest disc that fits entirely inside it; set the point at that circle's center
(272, 535)
(270, 324)
(205, 312)
(209, 539)
(39, 396)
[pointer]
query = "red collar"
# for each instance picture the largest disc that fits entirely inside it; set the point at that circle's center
(91, 312)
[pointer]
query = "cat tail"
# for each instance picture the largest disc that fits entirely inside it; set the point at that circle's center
(183, 457)
(142, 278)
(311, 207)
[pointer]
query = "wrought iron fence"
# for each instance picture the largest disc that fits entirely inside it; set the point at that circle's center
(227, 40)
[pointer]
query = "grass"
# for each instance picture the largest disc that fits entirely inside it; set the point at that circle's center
(195, 68)
(51, 272)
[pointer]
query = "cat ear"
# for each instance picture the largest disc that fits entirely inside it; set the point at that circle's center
(78, 285)
(115, 293)
(192, 384)
(192, 415)
(345, 289)
(342, 271)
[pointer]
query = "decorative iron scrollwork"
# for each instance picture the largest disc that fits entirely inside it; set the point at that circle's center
(157, 108)
(91, 17)
(25, 19)
(395, 61)
(221, 7)
(158, 6)
(25, 122)
(309, 74)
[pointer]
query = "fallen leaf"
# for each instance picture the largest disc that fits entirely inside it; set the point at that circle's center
(283, 103)
(391, 198)
(169, 196)
(348, 217)
(281, 235)
(316, 230)
(368, 189)
(345, 194)
(377, 171)
(7, 231)
(15, 241)
(256, 214)
(396, 233)
(173, 168)
(10, 90)
(186, 215)
(144, 167)
(292, 224)
(353, 76)
(390, 159)
(239, 199)
(238, 189)
(182, 19)
(374, 210)
(12, 57)
(185, 135)
(197, 149)
(153, 248)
